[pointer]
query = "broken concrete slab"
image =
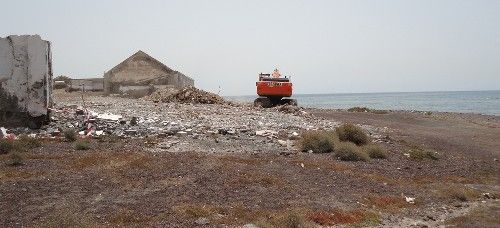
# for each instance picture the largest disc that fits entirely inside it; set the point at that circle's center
(25, 81)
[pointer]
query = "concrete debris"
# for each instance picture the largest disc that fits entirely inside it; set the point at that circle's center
(202, 221)
(283, 142)
(250, 225)
(25, 81)
(267, 133)
(179, 127)
(410, 200)
(488, 195)
(3, 132)
(291, 109)
(107, 116)
(293, 136)
(187, 95)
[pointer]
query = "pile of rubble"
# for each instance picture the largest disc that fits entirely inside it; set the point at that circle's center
(187, 95)
(177, 127)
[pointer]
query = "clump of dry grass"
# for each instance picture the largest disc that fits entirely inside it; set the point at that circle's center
(375, 151)
(318, 141)
(82, 145)
(6, 146)
(66, 219)
(348, 151)
(459, 192)
(387, 202)
(352, 133)
(16, 159)
(338, 216)
(198, 210)
(286, 220)
(126, 217)
(421, 154)
(70, 135)
(25, 142)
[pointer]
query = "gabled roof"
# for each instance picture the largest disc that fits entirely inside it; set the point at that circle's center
(141, 54)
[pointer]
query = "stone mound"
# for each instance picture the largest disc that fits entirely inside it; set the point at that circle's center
(187, 95)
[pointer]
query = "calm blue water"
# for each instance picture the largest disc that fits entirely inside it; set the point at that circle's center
(484, 102)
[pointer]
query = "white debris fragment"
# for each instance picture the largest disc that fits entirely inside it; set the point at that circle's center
(410, 200)
(283, 142)
(107, 116)
(3, 132)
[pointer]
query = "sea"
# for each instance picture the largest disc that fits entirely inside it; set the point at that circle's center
(480, 102)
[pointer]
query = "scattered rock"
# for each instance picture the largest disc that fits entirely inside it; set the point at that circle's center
(202, 221)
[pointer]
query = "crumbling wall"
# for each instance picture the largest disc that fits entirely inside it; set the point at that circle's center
(25, 80)
(88, 84)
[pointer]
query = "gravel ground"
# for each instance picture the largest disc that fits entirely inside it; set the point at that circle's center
(184, 165)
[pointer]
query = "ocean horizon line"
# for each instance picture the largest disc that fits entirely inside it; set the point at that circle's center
(394, 92)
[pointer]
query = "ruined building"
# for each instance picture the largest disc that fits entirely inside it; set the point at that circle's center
(25, 81)
(86, 84)
(141, 74)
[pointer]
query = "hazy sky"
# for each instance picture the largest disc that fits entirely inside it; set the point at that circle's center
(327, 46)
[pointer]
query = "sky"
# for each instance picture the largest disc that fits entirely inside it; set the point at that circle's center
(328, 46)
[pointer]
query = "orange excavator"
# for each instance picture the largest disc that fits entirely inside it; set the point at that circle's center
(272, 88)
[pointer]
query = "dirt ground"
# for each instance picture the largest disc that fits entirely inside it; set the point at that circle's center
(120, 182)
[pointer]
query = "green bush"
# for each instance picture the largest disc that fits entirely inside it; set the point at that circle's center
(347, 151)
(70, 135)
(82, 145)
(6, 146)
(318, 141)
(375, 151)
(420, 154)
(352, 133)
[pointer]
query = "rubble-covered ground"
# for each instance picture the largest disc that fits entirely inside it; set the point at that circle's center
(225, 165)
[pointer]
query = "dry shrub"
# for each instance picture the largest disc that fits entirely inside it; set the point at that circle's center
(387, 202)
(70, 135)
(16, 159)
(421, 154)
(82, 145)
(198, 210)
(345, 217)
(25, 142)
(6, 146)
(375, 151)
(66, 219)
(127, 217)
(352, 133)
(347, 151)
(286, 220)
(459, 192)
(318, 141)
